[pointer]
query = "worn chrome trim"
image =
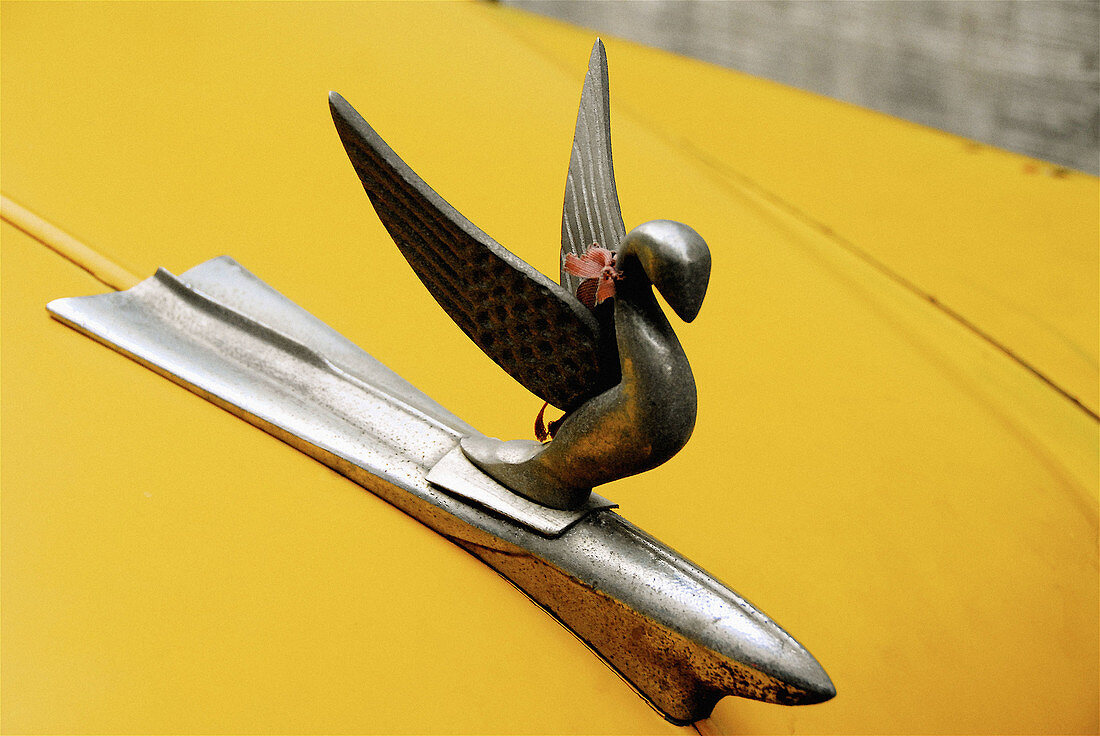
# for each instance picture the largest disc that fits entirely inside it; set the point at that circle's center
(678, 636)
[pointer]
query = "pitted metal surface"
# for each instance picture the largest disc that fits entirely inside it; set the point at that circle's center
(531, 327)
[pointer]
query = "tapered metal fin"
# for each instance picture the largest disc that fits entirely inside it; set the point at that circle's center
(591, 213)
(674, 632)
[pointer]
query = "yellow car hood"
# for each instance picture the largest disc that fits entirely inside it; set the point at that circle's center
(896, 453)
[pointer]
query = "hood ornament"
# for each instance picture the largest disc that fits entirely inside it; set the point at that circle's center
(597, 346)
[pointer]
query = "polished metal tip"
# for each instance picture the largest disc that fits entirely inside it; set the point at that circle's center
(814, 684)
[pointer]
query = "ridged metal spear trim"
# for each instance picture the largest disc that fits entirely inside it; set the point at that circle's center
(677, 635)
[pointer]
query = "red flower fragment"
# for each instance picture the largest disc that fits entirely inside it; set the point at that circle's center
(597, 268)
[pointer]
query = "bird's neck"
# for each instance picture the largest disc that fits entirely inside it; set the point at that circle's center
(649, 351)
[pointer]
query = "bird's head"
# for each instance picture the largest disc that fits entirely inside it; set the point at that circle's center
(675, 258)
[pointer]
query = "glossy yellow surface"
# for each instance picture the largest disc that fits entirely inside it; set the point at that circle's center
(912, 504)
(1009, 243)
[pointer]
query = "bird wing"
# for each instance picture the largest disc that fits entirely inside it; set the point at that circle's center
(532, 328)
(591, 213)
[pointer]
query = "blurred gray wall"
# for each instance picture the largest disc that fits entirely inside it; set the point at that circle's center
(1018, 74)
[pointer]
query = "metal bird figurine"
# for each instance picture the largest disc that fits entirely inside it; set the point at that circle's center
(620, 374)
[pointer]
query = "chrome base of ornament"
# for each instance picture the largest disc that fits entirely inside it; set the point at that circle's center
(678, 636)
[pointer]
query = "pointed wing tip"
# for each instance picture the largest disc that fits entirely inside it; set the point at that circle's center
(598, 57)
(344, 117)
(337, 103)
(354, 131)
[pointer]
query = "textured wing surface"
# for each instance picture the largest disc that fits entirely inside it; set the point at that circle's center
(534, 329)
(591, 213)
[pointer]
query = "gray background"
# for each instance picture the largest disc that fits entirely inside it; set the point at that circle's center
(1019, 74)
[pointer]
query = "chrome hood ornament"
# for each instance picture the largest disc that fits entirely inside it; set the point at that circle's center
(523, 507)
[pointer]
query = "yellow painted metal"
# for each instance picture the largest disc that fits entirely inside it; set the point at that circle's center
(917, 507)
(1009, 244)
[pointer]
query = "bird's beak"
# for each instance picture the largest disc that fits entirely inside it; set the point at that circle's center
(687, 299)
